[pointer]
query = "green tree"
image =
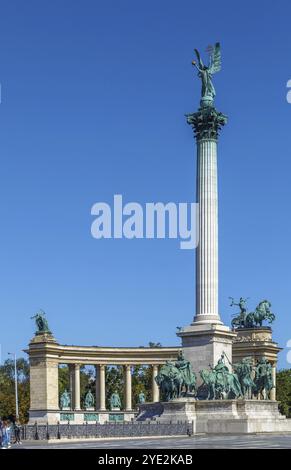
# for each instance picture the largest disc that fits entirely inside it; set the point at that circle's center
(7, 389)
(283, 391)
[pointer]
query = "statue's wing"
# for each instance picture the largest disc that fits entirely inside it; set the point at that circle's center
(199, 58)
(215, 59)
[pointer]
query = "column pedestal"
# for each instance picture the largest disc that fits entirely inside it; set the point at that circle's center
(203, 345)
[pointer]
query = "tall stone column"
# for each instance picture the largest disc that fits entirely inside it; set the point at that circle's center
(97, 387)
(206, 123)
(102, 393)
(72, 385)
(77, 404)
(128, 392)
(206, 338)
(273, 391)
(207, 250)
(155, 388)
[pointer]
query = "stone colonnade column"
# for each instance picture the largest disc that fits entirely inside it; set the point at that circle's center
(97, 387)
(77, 405)
(273, 391)
(128, 391)
(206, 123)
(72, 385)
(155, 388)
(207, 250)
(102, 393)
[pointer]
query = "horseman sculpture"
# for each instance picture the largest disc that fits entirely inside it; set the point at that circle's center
(263, 379)
(176, 379)
(220, 382)
(245, 373)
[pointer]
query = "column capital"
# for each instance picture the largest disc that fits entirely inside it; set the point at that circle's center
(206, 122)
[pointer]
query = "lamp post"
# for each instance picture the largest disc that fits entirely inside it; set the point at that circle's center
(16, 387)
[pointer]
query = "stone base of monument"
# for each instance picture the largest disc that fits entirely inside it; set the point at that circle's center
(80, 416)
(219, 416)
(204, 343)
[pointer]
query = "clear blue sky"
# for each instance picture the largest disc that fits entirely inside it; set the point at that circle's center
(93, 101)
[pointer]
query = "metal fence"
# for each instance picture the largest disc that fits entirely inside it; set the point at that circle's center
(89, 430)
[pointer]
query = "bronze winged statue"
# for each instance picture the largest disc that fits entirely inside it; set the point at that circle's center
(205, 72)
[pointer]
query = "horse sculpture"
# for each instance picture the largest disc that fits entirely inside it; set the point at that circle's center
(209, 380)
(244, 372)
(263, 379)
(251, 319)
(262, 312)
(176, 379)
(220, 383)
(170, 381)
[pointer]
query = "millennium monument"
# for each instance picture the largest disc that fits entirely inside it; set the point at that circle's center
(207, 338)
(221, 379)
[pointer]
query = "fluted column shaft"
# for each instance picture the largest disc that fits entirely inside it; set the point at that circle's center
(102, 393)
(76, 387)
(97, 387)
(207, 250)
(273, 391)
(71, 385)
(155, 388)
(128, 392)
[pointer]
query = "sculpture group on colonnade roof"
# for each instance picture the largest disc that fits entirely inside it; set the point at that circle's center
(245, 319)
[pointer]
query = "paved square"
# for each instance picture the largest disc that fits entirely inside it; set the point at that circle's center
(262, 441)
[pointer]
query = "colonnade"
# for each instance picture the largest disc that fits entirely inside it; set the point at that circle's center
(100, 387)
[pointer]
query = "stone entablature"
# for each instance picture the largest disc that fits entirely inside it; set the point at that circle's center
(66, 354)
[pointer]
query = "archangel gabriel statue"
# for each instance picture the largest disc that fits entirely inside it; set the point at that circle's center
(205, 72)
